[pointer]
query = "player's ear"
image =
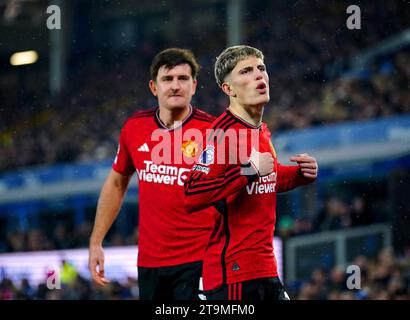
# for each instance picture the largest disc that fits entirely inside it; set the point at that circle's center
(195, 83)
(226, 87)
(153, 87)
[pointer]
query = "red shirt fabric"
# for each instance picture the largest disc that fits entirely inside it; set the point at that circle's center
(241, 244)
(162, 158)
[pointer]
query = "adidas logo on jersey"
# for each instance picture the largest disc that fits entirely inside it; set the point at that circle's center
(235, 267)
(144, 148)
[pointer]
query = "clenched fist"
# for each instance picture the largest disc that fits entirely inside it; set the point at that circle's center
(262, 162)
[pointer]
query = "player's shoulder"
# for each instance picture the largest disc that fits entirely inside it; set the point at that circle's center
(203, 116)
(225, 121)
(140, 116)
(143, 114)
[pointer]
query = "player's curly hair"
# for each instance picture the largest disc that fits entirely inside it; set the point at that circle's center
(172, 57)
(229, 58)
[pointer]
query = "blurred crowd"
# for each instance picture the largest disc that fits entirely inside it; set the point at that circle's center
(384, 277)
(77, 288)
(307, 43)
(59, 238)
(302, 51)
(337, 213)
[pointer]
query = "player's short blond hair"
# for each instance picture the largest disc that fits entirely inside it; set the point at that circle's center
(230, 57)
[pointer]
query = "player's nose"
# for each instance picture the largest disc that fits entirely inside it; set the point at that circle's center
(258, 74)
(175, 85)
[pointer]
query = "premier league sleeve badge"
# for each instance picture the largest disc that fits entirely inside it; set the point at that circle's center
(207, 156)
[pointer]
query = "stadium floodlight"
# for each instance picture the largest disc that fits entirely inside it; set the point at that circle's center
(23, 57)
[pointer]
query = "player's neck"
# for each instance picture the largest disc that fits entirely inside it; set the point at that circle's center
(250, 114)
(169, 117)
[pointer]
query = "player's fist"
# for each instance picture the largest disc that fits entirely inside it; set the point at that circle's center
(262, 162)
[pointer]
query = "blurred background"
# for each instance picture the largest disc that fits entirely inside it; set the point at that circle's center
(341, 95)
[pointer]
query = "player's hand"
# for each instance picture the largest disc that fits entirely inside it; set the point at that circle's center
(96, 259)
(262, 162)
(308, 165)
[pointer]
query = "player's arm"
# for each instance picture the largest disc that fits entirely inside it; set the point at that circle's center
(201, 191)
(108, 207)
(209, 184)
(290, 177)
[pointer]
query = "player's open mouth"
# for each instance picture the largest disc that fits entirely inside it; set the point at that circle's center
(261, 88)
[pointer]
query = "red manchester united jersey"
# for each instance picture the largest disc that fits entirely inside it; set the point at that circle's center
(162, 158)
(241, 246)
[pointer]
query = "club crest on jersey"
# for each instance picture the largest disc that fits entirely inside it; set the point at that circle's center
(207, 156)
(189, 148)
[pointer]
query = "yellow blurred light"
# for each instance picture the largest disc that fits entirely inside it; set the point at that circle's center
(23, 57)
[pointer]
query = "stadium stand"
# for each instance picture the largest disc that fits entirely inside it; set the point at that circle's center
(314, 86)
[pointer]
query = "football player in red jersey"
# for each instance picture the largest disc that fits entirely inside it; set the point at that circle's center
(171, 242)
(239, 262)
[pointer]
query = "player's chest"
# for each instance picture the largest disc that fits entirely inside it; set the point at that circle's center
(161, 149)
(254, 140)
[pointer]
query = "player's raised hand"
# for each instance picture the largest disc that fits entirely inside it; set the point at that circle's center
(96, 259)
(308, 165)
(262, 162)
